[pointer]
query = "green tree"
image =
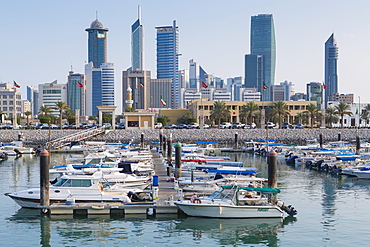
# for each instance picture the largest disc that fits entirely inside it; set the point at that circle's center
(280, 109)
(28, 114)
(365, 114)
(248, 111)
(45, 114)
(331, 116)
(312, 112)
(342, 109)
(61, 106)
(301, 118)
(129, 109)
(162, 120)
(219, 112)
(70, 116)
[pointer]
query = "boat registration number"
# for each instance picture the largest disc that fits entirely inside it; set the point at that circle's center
(263, 209)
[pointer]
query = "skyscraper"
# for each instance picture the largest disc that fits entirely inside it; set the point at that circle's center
(262, 42)
(76, 92)
(97, 43)
(168, 59)
(197, 75)
(331, 76)
(314, 93)
(137, 37)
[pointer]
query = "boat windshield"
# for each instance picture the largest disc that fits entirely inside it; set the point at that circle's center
(73, 183)
(222, 194)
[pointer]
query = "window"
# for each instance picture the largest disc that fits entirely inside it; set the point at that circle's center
(5, 109)
(5, 96)
(11, 102)
(5, 102)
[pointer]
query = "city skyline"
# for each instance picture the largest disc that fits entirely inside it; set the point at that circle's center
(220, 32)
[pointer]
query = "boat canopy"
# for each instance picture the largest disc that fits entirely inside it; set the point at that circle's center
(263, 190)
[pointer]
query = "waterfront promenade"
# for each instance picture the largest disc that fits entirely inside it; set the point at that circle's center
(222, 136)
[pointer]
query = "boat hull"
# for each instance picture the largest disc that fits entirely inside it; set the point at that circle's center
(229, 211)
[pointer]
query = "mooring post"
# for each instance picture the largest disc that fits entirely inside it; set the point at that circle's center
(178, 160)
(272, 169)
(44, 182)
(164, 145)
(321, 139)
(160, 138)
(169, 148)
(236, 140)
(358, 146)
(339, 136)
(142, 140)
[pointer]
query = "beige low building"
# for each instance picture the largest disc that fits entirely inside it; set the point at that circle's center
(139, 120)
(234, 107)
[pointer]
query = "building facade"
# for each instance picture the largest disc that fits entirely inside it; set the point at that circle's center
(160, 89)
(282, 92)
(197, 75)
(139, 82)
(97, 43)
(315, 93)
(168, 59)
(345, 98)
(10, 100)
(331, 69)
(137, 45)
(77, 92)
(262, 42)
(51, 93)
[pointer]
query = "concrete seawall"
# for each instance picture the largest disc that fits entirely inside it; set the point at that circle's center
(299, 136)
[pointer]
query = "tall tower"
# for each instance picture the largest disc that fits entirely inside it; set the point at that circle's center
(137, 51)
(76, 92)
(263, 43)
(97, 43)
(331, 70)
(168, 59)
(129, 100)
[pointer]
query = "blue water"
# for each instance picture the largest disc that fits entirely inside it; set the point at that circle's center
(332, 211)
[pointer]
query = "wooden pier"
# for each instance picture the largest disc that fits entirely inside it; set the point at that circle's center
(160, 205)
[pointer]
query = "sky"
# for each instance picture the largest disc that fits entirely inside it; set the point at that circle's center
(45, 38)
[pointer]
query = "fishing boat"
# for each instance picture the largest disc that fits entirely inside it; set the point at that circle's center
(236, 202)
(79, 188)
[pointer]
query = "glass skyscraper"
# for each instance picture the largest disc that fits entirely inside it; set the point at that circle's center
(97, 43)
(76, 92)
(168, 59)
(331, 70)
(137, 34)
(262, 42)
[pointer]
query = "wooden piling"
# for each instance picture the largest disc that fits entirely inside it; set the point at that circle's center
(44, 181)
(178, 160)
(272, 169)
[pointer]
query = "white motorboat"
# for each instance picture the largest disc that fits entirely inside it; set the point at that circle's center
(80, 188)
(235, 202)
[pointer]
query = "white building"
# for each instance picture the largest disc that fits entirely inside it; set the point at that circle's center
(9, 96)
(51, 93)
(250, 94)
(355, 119)
(26, 106)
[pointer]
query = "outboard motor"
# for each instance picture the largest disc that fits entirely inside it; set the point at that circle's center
(135, 197)
(292, 159)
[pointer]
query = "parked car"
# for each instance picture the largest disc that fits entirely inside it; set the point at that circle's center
(192, 126)
(250, 126)
(225, 125)
(120, 126)
(270, 125)
(42, 126)
(238, 125)
(158, 125)
(181, 126)
(54, 126)
(205, 126)
(299, 126)
(171, 126)
(3, 125)
(286, 126)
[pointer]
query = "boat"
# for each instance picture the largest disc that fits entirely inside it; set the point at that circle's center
(79, 188)
(236, 202)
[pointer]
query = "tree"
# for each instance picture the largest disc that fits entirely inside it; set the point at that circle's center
(70, 116)
(61, 106)
(219, 111)
(302, 118)
(365, 115)
(248, 111)
(45, 114)
(28, 114)
(129, 109)
(331, 116)
(342, 109)
(312, 113)
(280, 109)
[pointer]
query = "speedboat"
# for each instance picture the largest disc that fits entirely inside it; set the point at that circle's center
(236, 202)
(81, 188)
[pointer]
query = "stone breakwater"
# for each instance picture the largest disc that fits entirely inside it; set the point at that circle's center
(225, 136)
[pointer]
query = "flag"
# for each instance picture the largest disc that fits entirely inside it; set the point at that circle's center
(16, 85)
(142, 84)
(323, 85)
(204, 84)
(356, 110)
(163, 102)
(79, 84)
(264, 86)
(233, 111)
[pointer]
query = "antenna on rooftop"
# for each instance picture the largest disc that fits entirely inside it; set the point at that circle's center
(96, 14)
(138, 12)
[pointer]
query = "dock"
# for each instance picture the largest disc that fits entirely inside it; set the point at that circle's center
(160, 205)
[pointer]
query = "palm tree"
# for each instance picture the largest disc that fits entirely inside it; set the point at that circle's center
(280, 109)
(312, 112)
(69, 115)
(365, 115)
(219, 111)
(342, 109)
(28, 114)
(331, 116)
(249, 110)
(45, 112)
(301, 117)
(129, 109)
(61, 106)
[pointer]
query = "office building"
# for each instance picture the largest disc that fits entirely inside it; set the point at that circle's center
(315, 93)
(197, 75)
(137, 45)
(263, 47)
(51, 93)
(168, 59)
(250, 94)
(97, 43)
(160, 89)
(139, 82)
(77, 92)
(345, 98)
(10, 100)
(331, 69)
(282, 92)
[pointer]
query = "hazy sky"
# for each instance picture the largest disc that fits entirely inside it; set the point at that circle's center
(43, 38)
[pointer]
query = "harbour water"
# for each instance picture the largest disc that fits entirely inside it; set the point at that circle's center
(332, 211)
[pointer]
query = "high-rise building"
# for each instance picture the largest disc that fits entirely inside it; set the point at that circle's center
(160, 89)
(262, 43)
(29, 90)
(197, 75)
(331, 70)
(137, 51)
(99, 87)
(282, 92)
(139, 82)
(315, 93)
(97, 43)
(76, 92)
(51, 93)
(168, 59)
